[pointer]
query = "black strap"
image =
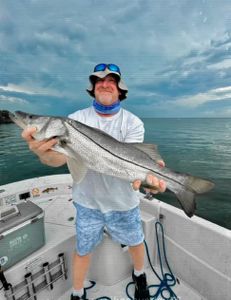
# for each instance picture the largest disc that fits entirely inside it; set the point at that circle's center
(3, 280)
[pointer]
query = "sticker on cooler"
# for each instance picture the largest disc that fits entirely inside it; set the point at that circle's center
(3, 260)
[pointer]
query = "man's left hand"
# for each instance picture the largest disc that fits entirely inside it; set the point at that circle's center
(158, 184)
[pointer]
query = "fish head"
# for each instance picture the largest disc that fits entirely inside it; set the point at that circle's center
(47, 127)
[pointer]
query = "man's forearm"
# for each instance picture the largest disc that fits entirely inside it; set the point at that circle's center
(54, 160)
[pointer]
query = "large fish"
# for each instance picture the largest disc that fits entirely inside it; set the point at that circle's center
(90, 148)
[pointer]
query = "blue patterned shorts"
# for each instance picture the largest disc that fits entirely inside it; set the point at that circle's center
(124, 227)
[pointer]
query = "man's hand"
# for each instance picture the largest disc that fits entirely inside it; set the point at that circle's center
(160, 185)
(43, 149)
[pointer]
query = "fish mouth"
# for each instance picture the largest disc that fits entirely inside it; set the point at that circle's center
(18, 118)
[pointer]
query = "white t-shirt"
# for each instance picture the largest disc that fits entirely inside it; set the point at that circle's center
(104, 192)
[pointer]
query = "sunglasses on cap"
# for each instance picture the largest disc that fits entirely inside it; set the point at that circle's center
(103, 67)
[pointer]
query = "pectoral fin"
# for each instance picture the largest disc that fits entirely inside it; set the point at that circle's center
(77, 169)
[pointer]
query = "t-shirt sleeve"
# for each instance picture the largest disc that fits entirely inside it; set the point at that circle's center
(76, 116)
(135, 131)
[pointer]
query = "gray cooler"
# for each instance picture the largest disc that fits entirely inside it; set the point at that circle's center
(21, 232)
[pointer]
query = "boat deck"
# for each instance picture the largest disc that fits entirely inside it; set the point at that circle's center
(54, 211)
(118, 291)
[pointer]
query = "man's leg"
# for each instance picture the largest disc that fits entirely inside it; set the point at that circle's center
(80, 266)
(139, 277)
(126, 228)
(79, 272)
(137, 255)
(89, 229)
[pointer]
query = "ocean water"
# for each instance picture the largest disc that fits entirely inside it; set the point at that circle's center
(201, 147)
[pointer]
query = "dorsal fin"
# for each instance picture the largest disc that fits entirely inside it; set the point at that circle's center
(149, 149)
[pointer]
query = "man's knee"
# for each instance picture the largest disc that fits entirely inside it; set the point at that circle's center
(79, 256)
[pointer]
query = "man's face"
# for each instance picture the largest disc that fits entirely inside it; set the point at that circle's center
(106, 90)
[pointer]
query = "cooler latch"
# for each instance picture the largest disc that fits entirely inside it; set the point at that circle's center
(7, 212)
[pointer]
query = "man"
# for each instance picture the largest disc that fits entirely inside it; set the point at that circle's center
(103, 200)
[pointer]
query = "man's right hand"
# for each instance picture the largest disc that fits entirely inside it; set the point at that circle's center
(43, 149)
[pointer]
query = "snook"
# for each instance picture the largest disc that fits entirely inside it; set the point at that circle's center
(90, 148)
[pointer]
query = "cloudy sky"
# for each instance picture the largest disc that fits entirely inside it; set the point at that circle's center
(175, 55)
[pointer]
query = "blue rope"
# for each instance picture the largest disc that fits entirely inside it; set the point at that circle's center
(167, 280)
(93, 283)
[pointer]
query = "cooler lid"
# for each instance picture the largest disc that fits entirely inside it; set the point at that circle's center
(25, 211)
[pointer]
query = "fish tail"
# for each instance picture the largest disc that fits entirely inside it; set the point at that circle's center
(187, 201)
(191, 187)
(198, 185)
(186, 197)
